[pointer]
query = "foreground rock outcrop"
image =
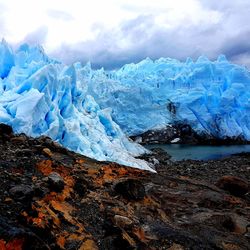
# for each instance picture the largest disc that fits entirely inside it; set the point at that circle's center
(52, 198)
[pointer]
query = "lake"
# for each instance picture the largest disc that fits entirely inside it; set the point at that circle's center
(200, 152)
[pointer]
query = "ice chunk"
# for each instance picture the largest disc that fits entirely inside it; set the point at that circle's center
(175, 140)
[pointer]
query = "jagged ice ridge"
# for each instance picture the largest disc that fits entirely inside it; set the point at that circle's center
(212, 97)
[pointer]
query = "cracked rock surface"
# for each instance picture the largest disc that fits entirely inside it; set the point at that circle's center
(57, 199)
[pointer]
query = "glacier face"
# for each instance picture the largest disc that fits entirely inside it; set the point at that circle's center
(40, 96)
(212, 97)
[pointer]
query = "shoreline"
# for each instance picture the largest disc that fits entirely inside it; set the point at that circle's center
(184, 134)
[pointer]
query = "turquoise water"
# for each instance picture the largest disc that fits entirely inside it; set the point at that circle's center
(200, 152)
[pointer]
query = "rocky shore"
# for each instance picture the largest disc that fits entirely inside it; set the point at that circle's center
(51, 198)
(183, 134)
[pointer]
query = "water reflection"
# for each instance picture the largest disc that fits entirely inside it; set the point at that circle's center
(200, 152)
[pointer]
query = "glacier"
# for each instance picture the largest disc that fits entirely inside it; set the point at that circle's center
(93, 111)
(212, 97)
(40, 96)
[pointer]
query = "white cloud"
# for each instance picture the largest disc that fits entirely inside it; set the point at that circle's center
(126, 30)
(23, 17)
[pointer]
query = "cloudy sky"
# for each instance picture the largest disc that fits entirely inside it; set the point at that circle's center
(111, 33)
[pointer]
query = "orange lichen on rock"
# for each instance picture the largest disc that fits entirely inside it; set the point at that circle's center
(139, 232)
(111, 173)
(88, 245)
(65, 209)
(80, 161)
(106, 175)
(129, 239)
(15, 244)
(61, 241)
(45, 167)
(53, 208)
(150, 201)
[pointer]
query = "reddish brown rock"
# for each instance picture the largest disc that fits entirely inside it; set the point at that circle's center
(234, 185)
(55, 181)
(131, 189)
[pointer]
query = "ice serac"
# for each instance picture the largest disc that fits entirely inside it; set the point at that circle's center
(39, 96)
(212, 97)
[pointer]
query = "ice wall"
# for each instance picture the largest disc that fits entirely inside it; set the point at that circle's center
(213, 97)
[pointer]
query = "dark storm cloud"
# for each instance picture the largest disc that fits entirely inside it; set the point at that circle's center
(234, 27)
(238, 49)
(106, 50)
(56, 14)
(238, 45)
(141, 37)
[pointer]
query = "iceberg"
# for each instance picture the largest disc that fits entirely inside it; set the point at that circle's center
(40, 96)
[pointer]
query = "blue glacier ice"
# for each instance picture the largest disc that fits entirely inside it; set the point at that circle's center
(93, 111)
(40, 96)
(212, 97)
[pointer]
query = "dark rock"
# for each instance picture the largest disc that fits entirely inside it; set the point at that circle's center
(115, 242)
(20, 237)
(21, 192)
(162, 156)
(122, 221)
(182, 237)
(24, 152)
(131, 189)
(210, 199)
(234, 185)
(40, 189)
(156, 156)
(5, 129)
(185, 134)
(5, 133)
(247, 234)
(56, 182)
(222, 220)
(19, 139)
(81, 187)
(72, 245)
(164, 135)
